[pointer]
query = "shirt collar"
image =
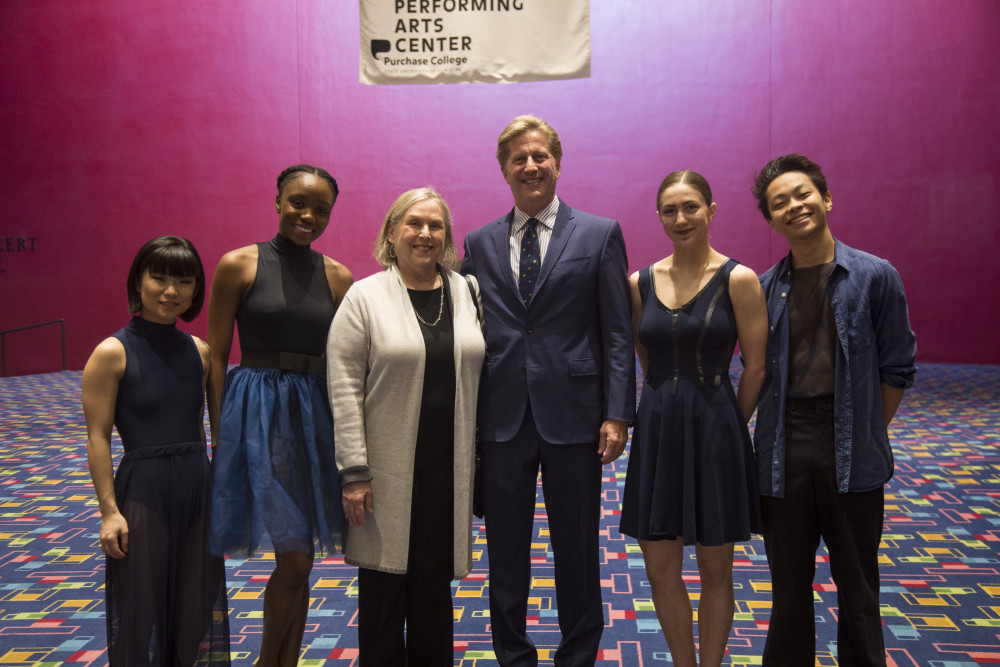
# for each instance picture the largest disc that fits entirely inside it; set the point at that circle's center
(547, 216)
(841, 258)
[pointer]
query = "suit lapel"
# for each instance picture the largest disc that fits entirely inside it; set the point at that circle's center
(501, 239)
(561, 232)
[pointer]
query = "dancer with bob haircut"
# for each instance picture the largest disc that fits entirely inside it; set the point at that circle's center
(165, 592)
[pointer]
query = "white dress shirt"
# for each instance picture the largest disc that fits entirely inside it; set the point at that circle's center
(547, 221)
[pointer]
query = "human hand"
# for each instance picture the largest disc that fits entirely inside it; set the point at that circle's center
(357, 500)
(614, 435)
(114, 535)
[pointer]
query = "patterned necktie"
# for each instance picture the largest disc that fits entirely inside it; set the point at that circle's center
(530, 260)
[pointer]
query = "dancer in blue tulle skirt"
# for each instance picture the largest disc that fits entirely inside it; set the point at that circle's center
(276, 480)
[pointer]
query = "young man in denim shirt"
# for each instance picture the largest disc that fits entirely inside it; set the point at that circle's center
(840, 355)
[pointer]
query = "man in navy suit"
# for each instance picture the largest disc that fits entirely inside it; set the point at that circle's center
(558, 390)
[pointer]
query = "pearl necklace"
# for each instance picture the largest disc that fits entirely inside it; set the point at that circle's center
(440, 312)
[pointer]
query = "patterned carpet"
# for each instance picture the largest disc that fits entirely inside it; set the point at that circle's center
(939, 558)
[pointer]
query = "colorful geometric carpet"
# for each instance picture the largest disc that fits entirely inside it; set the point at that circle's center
(939, 557)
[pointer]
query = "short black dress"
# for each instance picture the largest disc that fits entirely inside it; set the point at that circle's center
(166, 600)
(691, 470)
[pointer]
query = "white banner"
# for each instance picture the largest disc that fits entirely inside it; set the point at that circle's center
(453, 41)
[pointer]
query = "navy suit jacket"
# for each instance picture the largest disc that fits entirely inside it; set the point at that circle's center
(569, 351)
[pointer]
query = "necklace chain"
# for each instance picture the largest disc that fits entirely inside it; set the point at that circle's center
(440, 312)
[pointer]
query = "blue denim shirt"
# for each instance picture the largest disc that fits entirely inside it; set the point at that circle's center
(874, 345)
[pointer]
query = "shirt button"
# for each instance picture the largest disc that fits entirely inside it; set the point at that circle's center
(784, 294)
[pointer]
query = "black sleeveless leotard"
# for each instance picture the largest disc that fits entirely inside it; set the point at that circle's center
(289, 308)
(162, 596)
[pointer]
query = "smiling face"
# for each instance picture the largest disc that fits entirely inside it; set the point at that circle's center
(165, 297)
(798, 209)
(419, 238)
(531, 171)
(685, 214)
(304, 206)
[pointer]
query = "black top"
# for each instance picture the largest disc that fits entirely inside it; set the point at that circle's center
(433, 496)
(437, 405)
(704, 325)
(812, 333)
(160, 396)
(289, 307)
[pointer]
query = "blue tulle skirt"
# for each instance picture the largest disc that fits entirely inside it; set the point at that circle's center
(275, 472)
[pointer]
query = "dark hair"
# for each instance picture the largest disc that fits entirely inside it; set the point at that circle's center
(783, 165)
(296, 170)
(173, 256)
(688, 177)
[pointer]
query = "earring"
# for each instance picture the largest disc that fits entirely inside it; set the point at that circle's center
(391, 251)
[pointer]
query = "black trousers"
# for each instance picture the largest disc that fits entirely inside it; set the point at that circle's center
(851, 526)
(419, 600)
(408, 619)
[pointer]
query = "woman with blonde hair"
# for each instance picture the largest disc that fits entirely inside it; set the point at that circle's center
(405, 354)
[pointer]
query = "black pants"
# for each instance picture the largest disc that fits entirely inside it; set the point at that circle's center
(851, 526)
(420, 599)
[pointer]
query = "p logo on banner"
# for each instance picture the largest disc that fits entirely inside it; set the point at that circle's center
(457, 41)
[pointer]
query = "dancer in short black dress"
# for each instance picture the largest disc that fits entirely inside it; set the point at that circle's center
(691, 473)
(165, 593)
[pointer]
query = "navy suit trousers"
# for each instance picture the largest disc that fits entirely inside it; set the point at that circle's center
(571, 483)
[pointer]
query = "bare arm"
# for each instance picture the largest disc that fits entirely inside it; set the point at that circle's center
(633, 284)
(750, 310)
(233, 277)
(339, 278)
(891, 398)
(101, 376)
(206, 361)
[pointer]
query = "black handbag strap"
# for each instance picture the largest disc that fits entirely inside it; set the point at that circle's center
(475, 300)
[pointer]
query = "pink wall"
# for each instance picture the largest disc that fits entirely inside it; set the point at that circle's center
(122, 121)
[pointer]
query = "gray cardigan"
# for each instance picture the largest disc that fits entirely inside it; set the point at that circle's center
(375, 369)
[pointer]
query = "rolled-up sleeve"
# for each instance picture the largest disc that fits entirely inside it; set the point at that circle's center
(897, 344)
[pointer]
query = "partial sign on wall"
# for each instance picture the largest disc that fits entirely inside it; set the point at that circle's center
(456, 41)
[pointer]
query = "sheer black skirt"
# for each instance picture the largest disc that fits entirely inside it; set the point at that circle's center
(166, 600)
